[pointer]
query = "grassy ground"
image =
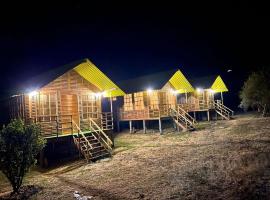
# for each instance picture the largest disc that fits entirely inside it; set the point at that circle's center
(222, 160)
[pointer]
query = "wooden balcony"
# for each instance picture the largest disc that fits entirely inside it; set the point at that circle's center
(148, 113)
(63, 125)
(163, 110)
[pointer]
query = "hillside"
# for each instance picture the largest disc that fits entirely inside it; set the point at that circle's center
(221, 160)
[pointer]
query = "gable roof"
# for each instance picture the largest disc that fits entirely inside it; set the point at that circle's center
(156, 81)
(85, 68)
(180, 83)
(213, 82)
(219, 85)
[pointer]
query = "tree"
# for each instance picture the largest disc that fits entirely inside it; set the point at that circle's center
(19, 146)
(255, 92)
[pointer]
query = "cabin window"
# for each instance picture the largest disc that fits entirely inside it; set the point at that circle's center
(128, 105)
(154, 100)
(138, 100)
(89, 107)
(46, 106)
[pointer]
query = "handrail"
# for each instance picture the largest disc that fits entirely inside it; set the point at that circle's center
(102, 132)
(81, 133)
(188, 116)
(183, 118)
(225, 107)
(220, 106)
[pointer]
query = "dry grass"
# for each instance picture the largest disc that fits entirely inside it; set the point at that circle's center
(222, 160)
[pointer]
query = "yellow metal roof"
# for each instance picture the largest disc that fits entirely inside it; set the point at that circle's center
(180, 83)
(219, 85)
(92, 74)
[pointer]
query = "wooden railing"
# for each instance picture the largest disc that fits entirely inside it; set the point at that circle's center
(188, 117)
(182, 119)
(53, 125)
(106, 120)
(222, 110)
(82, 143)
(100, 134)
(149, 112)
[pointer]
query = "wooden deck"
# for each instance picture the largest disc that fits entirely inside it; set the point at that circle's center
(64, 125)
(163, 111)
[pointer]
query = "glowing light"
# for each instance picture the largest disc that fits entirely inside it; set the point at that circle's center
(98, 94)
(173, 91)
(33, 93)
(149, 90)
(211, 91)
(199, 90)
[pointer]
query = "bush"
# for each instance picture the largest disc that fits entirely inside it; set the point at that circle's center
(19, 146)
(255, 93)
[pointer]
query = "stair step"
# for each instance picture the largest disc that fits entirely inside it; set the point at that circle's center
(99, 156)
(100, 151)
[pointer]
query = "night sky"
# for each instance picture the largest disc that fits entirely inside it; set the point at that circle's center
(128, 40)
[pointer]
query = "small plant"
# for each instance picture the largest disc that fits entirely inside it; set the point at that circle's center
(19, 146)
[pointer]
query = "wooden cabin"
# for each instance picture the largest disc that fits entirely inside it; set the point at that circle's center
(66, 101)
(152, 97)
(170, 95)
(207, 96)
(65, 97)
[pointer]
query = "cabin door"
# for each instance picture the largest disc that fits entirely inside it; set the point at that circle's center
(69, 112)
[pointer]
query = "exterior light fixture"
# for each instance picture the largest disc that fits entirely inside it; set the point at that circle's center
(149, 90)
(211, 91)
(98, 94)
(199, 90)
(33, 93)
(174, 91)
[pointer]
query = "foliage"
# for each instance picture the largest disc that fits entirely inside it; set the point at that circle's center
(19, 146)
(255, 92)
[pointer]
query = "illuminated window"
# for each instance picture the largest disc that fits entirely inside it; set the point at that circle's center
(89, 107)
(138, 100)
(154, 100)
(128, 105)
(46, 106)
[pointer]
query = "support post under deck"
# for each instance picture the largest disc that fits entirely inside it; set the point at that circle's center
(130, 126)
(144, 127)
(208, 115)
(159, 124)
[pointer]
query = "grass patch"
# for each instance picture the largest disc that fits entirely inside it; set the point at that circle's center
(202, 126)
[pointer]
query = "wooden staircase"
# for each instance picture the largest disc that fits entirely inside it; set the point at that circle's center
(222, 110)
(93, 144)
(182, 119)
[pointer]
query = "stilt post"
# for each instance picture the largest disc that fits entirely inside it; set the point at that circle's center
(130, 126)
(144, 127)
(160, 127)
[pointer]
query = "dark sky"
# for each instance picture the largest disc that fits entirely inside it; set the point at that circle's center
(126, 40)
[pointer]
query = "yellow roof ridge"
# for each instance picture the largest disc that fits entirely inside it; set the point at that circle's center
(180, 82)
(91, 73)
(219, 85)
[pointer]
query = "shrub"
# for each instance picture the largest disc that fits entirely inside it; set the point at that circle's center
(19, 146)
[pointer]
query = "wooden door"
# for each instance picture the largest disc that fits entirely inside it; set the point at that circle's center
(69, 111)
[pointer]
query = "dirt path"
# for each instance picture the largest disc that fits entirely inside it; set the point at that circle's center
(224, 160)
